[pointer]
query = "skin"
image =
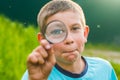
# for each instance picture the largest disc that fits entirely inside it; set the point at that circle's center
(66, 54)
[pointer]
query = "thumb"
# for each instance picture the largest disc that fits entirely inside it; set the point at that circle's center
(51, 56)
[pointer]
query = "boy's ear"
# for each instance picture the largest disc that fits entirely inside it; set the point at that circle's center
(86, 32)
(39, 36)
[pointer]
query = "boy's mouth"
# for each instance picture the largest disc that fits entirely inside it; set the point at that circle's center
(70, 55)
(70, 51)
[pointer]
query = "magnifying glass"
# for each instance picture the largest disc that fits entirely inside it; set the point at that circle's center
(55, 31)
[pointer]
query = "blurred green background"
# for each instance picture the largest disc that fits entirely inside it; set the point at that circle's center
(18, 33)
(101, 15)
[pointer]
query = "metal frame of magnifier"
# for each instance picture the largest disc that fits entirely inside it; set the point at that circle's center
(44, 30)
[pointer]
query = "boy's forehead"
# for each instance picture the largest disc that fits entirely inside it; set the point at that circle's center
(66, 16)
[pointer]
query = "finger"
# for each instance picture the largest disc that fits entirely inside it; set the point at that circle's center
(51, 59)
(32, 59)
(35, 58)
(45, 44)
(41, 51)
(39, 58)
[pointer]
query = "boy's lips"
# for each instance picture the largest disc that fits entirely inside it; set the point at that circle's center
(70, 54)
(69, 51)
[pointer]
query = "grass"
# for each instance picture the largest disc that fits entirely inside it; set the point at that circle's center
(117, 69)
(16, 42)
(103, 46)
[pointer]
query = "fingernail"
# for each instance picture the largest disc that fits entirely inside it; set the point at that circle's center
(47, 46)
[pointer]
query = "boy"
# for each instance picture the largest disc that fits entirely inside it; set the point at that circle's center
(64, 60)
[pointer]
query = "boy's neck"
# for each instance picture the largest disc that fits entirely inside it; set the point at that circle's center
(77, 67)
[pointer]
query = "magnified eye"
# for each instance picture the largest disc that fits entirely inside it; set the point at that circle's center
(57, 32)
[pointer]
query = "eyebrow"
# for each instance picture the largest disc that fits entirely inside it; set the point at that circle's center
(77, 24)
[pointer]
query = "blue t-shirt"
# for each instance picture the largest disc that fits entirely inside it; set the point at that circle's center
(95, 69)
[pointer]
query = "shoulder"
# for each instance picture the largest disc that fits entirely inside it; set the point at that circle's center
(25, 76)
(96, 61)
(100, 66)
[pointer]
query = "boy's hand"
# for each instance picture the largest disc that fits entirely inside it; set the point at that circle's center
(40, 62)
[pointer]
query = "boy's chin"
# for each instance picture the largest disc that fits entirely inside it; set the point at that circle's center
(71, 58)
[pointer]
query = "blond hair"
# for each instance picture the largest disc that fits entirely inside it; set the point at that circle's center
(56, 6)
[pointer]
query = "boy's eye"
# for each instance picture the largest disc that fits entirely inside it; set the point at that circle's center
(57, 32)
(76, 28)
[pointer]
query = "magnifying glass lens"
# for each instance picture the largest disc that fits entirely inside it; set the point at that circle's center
(56, 32)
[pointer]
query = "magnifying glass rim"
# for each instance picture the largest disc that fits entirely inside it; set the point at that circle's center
(50, 23)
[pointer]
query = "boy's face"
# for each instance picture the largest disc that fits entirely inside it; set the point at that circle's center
(69, 50)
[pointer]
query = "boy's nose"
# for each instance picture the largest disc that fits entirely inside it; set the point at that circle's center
(69, 39)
